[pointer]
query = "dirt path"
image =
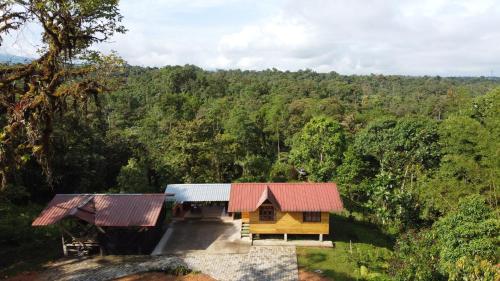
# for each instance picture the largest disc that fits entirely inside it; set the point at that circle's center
(107, 268)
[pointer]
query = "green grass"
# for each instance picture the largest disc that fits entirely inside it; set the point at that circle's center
(371, 249)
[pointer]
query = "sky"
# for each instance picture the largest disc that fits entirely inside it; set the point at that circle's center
(424, 37)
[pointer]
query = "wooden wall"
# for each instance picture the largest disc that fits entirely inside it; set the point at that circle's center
(288, 222)
(245, 217)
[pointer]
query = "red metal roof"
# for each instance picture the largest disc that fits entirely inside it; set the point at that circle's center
(119, 210)
(291, 197)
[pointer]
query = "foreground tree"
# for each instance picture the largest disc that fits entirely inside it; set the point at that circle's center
(462, 245)
(67, 72)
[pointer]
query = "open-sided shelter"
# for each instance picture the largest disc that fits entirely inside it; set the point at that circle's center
(106, 222)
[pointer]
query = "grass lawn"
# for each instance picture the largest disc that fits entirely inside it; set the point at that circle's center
(371, 250)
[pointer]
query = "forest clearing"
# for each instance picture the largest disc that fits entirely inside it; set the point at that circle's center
(254, 172)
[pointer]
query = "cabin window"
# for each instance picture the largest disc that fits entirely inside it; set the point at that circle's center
(312, 216)
(266, 213)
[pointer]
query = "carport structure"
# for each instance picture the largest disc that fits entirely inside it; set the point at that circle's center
(202, 200)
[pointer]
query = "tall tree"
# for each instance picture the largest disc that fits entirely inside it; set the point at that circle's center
(384, 163)
(318, 148)
(32, 94)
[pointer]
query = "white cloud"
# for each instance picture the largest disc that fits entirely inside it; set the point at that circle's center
(397, 37)
(435, 37)
(255, 45)
(24, 42)
(277, 33)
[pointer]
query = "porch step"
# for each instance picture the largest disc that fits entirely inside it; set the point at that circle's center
(245, 230)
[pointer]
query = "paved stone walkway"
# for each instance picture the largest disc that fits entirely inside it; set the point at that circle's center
(261, 263)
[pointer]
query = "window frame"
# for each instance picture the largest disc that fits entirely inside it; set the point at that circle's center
(313, 217)
(266, 218)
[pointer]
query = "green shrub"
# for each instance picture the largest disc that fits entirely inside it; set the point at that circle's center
(475, 269)
(181, 270)
(458, 245)
(472, 230)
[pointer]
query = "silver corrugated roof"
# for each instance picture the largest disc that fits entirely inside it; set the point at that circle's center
(199, 192)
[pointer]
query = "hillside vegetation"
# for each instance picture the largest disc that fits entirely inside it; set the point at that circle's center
(417, 156)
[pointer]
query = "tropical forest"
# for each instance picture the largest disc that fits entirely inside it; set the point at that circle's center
(416, 159)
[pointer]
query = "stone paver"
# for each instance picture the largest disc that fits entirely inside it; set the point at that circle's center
(297, 243)
(261, 263)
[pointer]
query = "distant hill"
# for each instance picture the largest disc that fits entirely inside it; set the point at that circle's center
(11, 59)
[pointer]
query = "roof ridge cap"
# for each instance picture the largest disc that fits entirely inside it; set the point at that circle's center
(80, 206)
(267, 194)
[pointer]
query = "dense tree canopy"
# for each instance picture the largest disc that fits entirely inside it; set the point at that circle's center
(403, 150)
(377, 135)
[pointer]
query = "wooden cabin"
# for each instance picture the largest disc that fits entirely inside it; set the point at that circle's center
(285, 208)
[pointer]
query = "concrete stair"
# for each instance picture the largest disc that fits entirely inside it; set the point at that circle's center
(245, 229)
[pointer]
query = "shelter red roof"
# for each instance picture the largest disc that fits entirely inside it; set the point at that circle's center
(291, 197)
(119, 210)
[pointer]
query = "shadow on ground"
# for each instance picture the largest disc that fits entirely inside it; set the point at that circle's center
(343, 229)
(210, 236)
(339, 276)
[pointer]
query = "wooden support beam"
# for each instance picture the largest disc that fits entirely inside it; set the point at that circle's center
(65, 250)
(66, 231)
(100, 229)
